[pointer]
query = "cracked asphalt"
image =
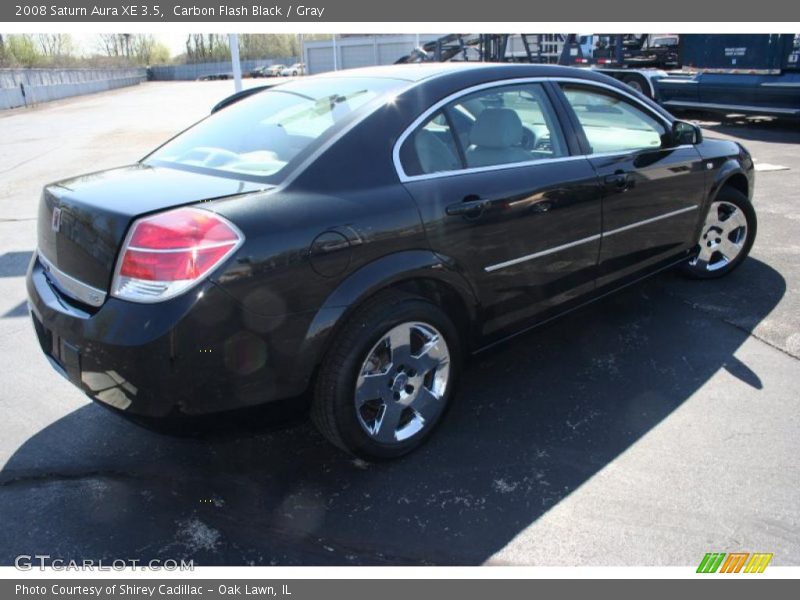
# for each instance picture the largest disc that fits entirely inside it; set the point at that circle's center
(648, 429)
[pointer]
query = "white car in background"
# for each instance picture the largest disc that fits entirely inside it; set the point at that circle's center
(294, 70)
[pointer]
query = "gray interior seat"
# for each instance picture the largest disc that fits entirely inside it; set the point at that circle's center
(493, 139)
(433, 154)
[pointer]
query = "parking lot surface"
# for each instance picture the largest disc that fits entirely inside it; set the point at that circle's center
(648, 429)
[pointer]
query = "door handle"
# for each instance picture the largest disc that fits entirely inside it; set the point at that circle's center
(619, 180)
(470, 206)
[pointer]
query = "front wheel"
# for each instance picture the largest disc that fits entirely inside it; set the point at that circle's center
(389, 377)
(726, 237)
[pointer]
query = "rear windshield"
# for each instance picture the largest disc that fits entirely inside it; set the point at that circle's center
(263, 136)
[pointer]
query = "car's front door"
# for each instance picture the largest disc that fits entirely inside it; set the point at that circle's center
(501, 196)
(652, 189)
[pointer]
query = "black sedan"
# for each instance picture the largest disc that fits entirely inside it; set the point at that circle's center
(357, 235)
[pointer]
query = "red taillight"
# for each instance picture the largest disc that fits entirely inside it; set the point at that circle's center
(168, 253)
(181, 228)
(171, 266)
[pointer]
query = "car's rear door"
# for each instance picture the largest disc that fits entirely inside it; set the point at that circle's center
(503, 196)
(652, 190)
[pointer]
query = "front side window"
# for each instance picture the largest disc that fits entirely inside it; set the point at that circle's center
(498, 126)
(259, 136)
(612, 124)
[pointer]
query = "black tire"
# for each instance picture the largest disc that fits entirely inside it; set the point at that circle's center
(638, 83)
(732, 196)
(333, 408)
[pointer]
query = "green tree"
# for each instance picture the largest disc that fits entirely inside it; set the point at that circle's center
(23, 51)
(115, 45)
(146, 50)
(132, 48)
(207, 47)
(160, 54)
(262, 45)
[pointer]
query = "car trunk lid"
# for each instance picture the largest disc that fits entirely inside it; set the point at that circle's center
(83, 221)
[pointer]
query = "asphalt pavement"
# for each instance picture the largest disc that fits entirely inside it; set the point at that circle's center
(648, 429)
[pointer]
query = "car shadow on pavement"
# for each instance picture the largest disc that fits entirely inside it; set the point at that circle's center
(533, 421)
(14, 264)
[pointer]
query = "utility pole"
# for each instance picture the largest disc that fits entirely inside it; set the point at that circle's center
(233, 40)
(335, 55)
(303, 54)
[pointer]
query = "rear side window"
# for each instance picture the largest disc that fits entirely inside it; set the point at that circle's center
(612, 124)
(433, 147)
(499, 126)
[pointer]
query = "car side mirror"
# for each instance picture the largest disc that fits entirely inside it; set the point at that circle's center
(684, 132)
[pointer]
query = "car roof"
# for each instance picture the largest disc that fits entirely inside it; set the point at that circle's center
(420, 71)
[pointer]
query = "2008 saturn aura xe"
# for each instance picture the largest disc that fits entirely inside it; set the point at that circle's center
(357, 235)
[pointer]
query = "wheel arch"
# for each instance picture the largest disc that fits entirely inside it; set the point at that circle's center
(419, 272)
(738, 181)
(730, 173)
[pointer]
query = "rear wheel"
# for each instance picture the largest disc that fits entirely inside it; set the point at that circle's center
(637, 82)
(726, 237)
(387, 381)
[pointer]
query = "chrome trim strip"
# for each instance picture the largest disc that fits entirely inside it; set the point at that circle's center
(789, 84)
(650, 220)
(530, 163)
(502, 83)
(70, 286)
(578, 307)
(628, 152)
(490, 168)
(756, 109)
(591, 238)
(527, 257)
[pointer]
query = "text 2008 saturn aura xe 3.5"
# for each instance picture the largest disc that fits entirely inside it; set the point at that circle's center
(356, 235)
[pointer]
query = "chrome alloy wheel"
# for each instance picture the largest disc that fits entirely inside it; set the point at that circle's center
(401, 384)
(722, 238)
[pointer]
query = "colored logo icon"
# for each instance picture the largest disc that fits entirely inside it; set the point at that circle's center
(734, 562)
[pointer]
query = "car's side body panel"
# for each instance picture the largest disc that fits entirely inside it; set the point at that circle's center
(301, 245)
(651, 217)
(536, 216)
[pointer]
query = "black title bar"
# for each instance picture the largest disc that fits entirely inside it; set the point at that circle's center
(195, 11)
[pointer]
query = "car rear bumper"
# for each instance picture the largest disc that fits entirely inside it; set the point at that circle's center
(196, 354)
